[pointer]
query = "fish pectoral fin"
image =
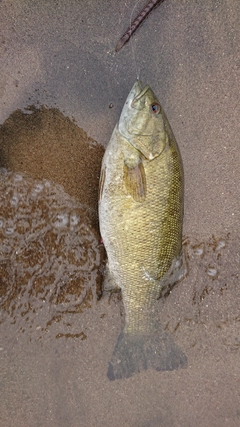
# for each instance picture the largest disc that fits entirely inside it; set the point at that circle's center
(135, 181)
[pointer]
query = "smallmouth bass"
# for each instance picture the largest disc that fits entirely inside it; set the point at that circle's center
(140, 217)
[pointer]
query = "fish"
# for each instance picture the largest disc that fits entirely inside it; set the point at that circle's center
(135, 24)
(141, 192)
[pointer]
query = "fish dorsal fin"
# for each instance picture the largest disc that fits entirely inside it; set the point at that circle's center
(135, 181)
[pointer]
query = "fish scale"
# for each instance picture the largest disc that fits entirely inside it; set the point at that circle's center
(141, 215)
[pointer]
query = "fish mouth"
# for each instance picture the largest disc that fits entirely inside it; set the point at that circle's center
(143, 91)
(138, 100)
(138, 95)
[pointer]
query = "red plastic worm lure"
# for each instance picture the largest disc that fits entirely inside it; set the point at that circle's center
(137, 21)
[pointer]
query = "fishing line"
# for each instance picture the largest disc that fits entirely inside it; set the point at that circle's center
(131, 41)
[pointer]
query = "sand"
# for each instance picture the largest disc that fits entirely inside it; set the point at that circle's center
(62, 88)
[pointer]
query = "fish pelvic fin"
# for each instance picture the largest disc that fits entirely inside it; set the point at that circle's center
(101, 183)
(135, 353)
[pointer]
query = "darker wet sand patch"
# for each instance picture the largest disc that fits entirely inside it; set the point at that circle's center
(51, 257)
(45, 144)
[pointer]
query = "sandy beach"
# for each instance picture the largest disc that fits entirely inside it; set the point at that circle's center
(62, 88)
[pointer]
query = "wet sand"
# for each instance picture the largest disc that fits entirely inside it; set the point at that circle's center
(57, 335)
(49, 145)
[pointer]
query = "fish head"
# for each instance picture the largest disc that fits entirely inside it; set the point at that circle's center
(142, 121)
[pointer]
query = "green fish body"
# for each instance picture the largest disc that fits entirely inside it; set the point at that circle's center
(141, 216)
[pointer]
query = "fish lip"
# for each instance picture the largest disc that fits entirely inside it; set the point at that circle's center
(144, 90)
(141, 94)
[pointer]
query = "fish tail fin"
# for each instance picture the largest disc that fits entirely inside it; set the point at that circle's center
(136, 352)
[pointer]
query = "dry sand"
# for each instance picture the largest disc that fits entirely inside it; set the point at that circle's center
(57, 337)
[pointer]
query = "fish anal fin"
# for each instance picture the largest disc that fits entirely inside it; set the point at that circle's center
(135, 181)
(109, 283)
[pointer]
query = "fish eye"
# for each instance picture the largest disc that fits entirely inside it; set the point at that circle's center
(155, 108)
